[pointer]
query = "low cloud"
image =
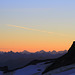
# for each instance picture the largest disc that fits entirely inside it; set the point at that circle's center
(32, 25)
(30, 29)
(43, 31)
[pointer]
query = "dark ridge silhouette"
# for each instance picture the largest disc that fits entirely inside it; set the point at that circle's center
(5, 68)
(34, 62)
(67, 59)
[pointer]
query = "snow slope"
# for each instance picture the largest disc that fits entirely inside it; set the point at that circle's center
(66, 70)
(39, 68)
(69, 72)
(30, 70)
(1, 73)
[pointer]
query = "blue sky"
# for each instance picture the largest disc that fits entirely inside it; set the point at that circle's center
(50, 13)
(36, 3)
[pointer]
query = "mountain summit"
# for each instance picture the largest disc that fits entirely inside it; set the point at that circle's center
(72, 49)
(67, 59)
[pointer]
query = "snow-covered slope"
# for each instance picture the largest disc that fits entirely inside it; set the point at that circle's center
(69, 72)
(30, 70)
(66, 70)
(40, 67)
(1, 73)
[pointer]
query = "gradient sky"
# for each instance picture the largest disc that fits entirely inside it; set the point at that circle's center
(35, 25)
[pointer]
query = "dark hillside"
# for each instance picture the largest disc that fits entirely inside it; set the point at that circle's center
(67, 59)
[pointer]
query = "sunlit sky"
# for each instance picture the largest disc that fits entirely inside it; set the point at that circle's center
(36, 25)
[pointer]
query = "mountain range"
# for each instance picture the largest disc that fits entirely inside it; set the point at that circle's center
(64, 63)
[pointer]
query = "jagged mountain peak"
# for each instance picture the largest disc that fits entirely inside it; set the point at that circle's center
(67, 59)
(72, 48)
(25, 51)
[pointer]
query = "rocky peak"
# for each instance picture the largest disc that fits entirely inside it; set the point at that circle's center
(67, 59)
(72, 48)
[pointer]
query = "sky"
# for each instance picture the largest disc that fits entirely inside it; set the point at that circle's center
(36, 25)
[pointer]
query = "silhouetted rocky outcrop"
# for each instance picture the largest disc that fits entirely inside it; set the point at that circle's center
(5, 68)
(67, 59)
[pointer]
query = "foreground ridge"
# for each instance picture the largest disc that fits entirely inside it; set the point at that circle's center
(67, 59)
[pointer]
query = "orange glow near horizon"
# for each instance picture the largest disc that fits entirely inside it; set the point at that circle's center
(36, 47)
(32, 41)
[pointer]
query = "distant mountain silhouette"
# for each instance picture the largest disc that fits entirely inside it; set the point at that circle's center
(25, 52)
(67, 59)
(41, 51)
